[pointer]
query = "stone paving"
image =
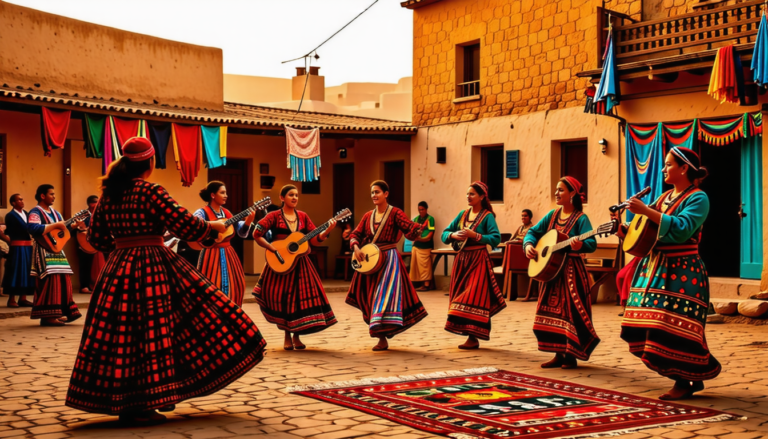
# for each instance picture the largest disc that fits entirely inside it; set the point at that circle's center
(36, 363)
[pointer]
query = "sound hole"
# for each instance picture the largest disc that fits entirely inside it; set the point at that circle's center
(637, 225)
(544, 252)
(293, 247)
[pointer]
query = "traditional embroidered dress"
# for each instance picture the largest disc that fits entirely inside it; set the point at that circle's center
(475, 295)
(294, 301)
(18, 280)
(421, 253)
(53, 296)
(387, 298)
(563, 322)
(220, 263)
(521, 232)
(158, 332)
(668, 301)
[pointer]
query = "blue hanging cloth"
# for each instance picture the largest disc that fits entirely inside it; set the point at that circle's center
(645, 159)
(760, 55)
(608, 90)
(212, 146)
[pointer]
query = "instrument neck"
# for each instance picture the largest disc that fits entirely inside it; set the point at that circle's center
(316, 232)
(567, 242)
(239, 216)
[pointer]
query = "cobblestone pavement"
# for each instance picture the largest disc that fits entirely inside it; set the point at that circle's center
(36, 363)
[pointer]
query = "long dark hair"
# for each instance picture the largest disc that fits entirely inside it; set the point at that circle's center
(210, 189)
(693, 175)
(578, 204)
(120, 175)
(485, 203)
(284, 191)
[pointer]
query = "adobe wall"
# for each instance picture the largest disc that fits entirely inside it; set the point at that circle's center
(51, 52)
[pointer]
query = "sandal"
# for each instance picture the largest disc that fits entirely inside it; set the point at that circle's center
(553, 363)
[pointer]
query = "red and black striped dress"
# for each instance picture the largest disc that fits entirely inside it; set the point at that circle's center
(294, 301)
(157, 331)
(387, 298)
(220, 263)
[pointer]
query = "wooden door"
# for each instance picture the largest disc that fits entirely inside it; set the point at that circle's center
(394, 175)
(235, 177)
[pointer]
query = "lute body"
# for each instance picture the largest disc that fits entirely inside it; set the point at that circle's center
(218, 238)
(641, 236)
(55, 241)
(372, 260)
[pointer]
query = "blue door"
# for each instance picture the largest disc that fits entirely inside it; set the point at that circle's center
(751, 211)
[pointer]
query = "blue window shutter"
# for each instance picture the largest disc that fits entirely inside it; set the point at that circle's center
(513, 163)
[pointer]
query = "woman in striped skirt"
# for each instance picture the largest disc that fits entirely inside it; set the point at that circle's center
(294, 301)
(220, 263)
(475, 295)
(387, 298)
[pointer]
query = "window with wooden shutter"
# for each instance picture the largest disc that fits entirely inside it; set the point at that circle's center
(513, 163)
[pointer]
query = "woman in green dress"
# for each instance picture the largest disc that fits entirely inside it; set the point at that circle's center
(669, 297)
(563, 322)
(475, 295)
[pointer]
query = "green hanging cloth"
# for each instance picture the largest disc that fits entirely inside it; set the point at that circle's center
(93, 130)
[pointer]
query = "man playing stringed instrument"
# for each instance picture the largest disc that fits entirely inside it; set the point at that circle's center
(295, 301)
(53, 298)
(563, 322)
(220, 263)
(664, 321)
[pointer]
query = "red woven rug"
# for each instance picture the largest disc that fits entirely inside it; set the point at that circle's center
(491, 403)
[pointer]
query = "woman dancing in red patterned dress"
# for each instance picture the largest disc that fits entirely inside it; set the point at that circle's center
(294, 301)
(157, 331)
(387, 298)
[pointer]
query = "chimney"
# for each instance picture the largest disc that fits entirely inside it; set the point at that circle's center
(315, 84)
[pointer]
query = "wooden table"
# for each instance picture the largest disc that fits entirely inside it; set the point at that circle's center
(439, 253)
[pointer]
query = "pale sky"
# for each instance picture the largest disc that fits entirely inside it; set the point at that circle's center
(257, 35)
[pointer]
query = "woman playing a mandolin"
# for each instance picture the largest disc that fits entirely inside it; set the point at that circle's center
(387, 298)
(669, 294)
(295, 301)
(220, 263)
(563, 322)
(475, 296)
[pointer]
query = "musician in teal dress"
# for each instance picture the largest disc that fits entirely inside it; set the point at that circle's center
(475, 296)
(563, 322)
(667, 308)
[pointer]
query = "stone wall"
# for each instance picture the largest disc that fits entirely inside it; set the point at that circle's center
(530, 52)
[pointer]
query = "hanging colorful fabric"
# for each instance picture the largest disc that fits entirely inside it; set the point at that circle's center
(721, 132)
(54, 128)
(760, 55)
(212, 141)
(727, 81)
(109, 153)
(93, 135)
(303, 153)
(609, 90)
(187, 149)
(159, 135)
(680, 134)
(645, 159)
(755, 123)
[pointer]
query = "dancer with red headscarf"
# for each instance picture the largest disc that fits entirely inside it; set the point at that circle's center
(475, 296)
(666, 311)
(563, 322)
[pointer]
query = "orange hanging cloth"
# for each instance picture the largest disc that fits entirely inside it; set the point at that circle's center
(724, 82)
(187, 149)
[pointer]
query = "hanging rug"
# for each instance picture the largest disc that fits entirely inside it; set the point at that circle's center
(492, 403)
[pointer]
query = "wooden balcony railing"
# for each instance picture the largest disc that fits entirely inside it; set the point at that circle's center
(467, 89)
(692, 32)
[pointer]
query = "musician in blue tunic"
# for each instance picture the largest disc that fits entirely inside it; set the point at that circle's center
(53, 298)
(17, 280)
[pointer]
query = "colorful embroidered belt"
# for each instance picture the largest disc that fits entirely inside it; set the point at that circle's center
(676, 250)
(385, 247)
(224, 244)
(139, 241)
(21, 244)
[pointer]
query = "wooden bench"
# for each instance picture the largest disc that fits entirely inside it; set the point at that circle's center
(601, 267)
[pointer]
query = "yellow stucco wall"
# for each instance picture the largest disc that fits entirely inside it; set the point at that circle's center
(72, 56)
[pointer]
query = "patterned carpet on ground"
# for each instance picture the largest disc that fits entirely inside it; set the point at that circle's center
(492, 403)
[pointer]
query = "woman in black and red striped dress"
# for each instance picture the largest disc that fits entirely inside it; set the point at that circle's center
(157, 331)
(387, 298)
(294, 301)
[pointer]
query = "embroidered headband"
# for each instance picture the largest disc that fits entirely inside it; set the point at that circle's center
(572, 182)
(680, 153)
(482, 185)
(137, 149)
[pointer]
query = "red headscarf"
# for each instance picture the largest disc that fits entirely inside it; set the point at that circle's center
(137, 149)
(477, 184)
(572, 182)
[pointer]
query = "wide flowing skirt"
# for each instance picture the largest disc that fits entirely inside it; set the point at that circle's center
(18, 265)
(421, 265)
(158, 332)
(223, 268)
(624, 279)
(563, 322)
(664, 322)
(294, 301)
(475, 296)
(53, 298)
(387, 299)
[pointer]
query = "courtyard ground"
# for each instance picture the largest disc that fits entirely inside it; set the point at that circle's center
(36, 362)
